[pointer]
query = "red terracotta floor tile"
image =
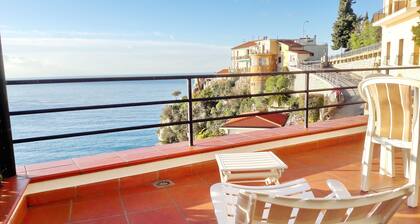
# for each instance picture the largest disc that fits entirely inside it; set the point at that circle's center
(138, 180)
(190, 195)
(165, 215)
(96, 207)
(139, 201)
(47, 165)
(119, 219)
(98, 162)
(55, 213)
(200, 213)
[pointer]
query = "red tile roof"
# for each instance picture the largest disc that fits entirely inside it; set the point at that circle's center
(246, 44)
(223, 71)
(290, 43)
(302, 52)
(260, 121)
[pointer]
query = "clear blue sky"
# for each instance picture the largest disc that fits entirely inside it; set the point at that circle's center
(87, 37)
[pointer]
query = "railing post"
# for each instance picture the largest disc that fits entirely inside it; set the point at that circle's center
(190, 114)
(7, 156)
(307, 100)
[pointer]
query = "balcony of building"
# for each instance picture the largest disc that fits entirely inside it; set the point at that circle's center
(109, 188)
(117, 187)
(396, 10)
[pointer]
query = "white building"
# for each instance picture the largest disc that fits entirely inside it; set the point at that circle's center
(398, 48)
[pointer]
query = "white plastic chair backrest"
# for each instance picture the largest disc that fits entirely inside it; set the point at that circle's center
(392, 104)
(373, 208)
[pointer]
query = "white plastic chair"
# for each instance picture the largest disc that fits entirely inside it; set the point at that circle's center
(293, 202)
(393, 105)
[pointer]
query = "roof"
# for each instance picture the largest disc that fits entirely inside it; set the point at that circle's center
(290, 43)
(259, 121)
(246, 44)
(302, 52)
(223, 71)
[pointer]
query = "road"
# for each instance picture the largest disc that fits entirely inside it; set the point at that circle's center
(342, 79)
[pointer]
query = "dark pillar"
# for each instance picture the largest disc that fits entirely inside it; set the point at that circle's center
(7, 156)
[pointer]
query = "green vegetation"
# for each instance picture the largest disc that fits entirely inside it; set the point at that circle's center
(365, 34)
(219, 108)
(277, 84)
(344, 25)
(416, 30)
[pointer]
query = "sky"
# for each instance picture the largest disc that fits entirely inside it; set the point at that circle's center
(57, 38)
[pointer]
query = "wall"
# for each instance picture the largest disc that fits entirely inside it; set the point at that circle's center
(315, 82)
(366, 63)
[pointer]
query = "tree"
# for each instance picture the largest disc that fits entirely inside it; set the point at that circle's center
(176, 93)
(276, 84)
(344, 25)
(365, 34)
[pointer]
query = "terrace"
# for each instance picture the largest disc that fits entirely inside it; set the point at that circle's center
(117, 187)
(325, 150)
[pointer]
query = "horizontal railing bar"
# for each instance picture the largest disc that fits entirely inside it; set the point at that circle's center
(150, 103)
(247, 115)
(337, 105)
(95, 107)
(332, 89)
(173, 77)
(245, 96)
(96, 132)
(273, 112)
(140, 127)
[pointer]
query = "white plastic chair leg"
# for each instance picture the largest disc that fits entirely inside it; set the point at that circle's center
(383, 161)
(406, 163)
(412, 201)
(366, 163)
(390, 156)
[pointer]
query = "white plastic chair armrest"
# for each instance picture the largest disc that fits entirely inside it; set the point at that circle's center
(338, 189)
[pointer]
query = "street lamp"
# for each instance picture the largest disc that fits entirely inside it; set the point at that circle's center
(304, 23)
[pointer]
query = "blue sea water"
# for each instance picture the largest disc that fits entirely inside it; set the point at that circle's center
(29, 97)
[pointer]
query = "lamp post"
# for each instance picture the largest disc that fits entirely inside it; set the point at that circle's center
(304, 23)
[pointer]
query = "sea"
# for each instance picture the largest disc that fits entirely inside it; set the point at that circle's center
(42, 96)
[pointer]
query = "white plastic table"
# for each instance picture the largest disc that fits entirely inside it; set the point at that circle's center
(250, 167)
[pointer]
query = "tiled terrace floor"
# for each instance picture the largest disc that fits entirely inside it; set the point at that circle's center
(189, 201)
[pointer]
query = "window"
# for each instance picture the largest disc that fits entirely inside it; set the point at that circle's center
(388, 53)
(416, 54)
(279, 60)
(400, 51)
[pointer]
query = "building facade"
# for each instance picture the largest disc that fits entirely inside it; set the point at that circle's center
(398, 48)
(273, 55)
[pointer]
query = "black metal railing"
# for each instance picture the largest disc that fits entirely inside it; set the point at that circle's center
(189, 100)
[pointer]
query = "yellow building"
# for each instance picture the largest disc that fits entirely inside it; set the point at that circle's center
(272, 55)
